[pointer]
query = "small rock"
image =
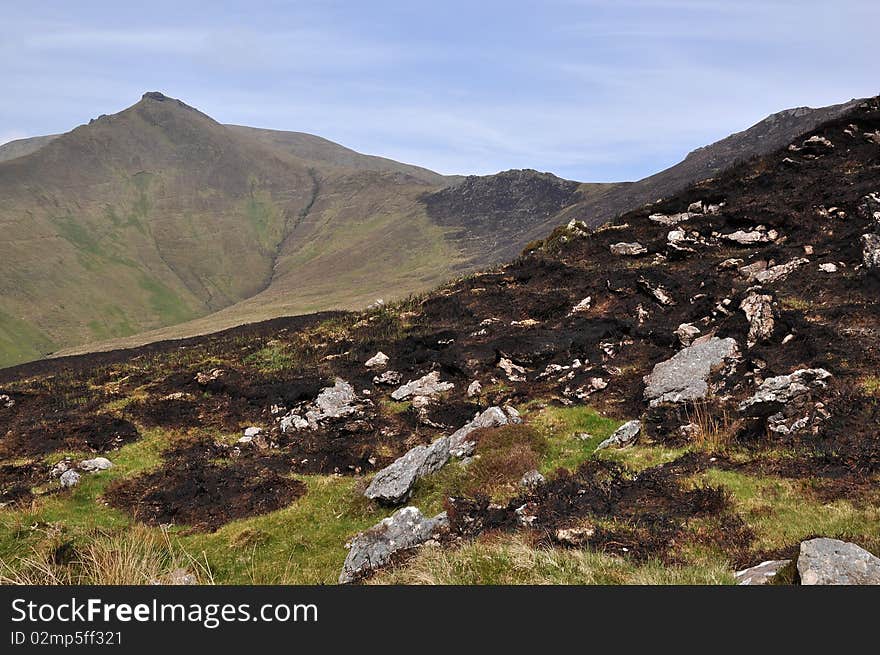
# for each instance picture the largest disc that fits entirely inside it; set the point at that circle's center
(95, 464)
(628, 249)
(69, 478)
(253, 431)
(474, 389)
(6, 401)
(776, 392)
(388, 378)
(825, 561)
(780, 272)
(379, 360)
(515, 373)
(869, 208)
(575, 536)
(428, 385)
(749, 237)
(623, 436)
(762, 573)
(871, 250)
(582, 306)
(828, 268)
(686, 333)
(532, 480)
(758, 309)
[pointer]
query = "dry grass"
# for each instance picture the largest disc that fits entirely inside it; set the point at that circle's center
(714, 432)
(136, 557)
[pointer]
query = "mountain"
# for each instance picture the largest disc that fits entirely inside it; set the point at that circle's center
(677, 396)
(159, 222)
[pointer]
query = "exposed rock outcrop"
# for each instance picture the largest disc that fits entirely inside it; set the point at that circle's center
(685, 375)
(428, 385)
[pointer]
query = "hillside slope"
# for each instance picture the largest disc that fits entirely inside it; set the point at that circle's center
(680, 388)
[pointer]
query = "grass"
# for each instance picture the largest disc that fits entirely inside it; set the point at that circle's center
(511, 560)
(561, 427)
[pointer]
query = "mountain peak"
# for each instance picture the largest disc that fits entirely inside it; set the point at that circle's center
(158, 96)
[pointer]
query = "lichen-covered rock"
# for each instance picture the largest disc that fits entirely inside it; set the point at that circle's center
(758, 308)
(825, 561)
(871, 250)
(623, 436)
(69, 478)
(628, 249)
(428, 385)
(776, 392)
(394, 483)
(373, 548)
(685, 375)
(379, 360)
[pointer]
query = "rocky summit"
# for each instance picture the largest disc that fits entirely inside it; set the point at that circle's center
(688, 393)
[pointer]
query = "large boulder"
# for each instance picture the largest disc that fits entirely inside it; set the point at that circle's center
(333, 402)
(403, 530)
(394, 483)
(685, 376)
(428, 385)
(777, 392)
(623, 436)
(825, 561)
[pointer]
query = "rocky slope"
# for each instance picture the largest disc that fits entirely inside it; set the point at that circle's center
(164, 223)
(683, 394)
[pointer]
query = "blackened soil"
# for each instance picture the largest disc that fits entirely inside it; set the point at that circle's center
(16, 481)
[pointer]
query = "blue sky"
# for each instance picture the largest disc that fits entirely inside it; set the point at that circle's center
(594, 90)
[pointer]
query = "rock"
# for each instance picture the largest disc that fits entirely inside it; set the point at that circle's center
(751, 270)
(749, 237)
(695, 207)
(203, 378)
(429, 385)
(817, 144)
(181, 577)
(659, 293)
(69, 478)
(394, 483)
(762, 573)
(333, 402)
(828, 268)
(404, 529)
(253, 432)
(379, 360)
(685, 375)
(869, 207)
(293, 422)
(514, 372)
(532, 480)
(776, 392)
(686, 333)
(623, 436)
(730, 264)
(672, 219)
(628, 249)
(871, 250)
(60, 467)
(758, 309)
(825, 561)
(574, 536)
(474, 389)
(494, 417)
(582, 306)
(780, 272)
(526, 514)
(6, 401)
(388, 378)
(95, 464)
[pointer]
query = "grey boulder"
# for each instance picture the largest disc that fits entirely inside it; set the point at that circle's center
(395, 482)
(685, 375)
(623, 436)
(373, 548)
(825, 561)
(777, 392)
(428, 385)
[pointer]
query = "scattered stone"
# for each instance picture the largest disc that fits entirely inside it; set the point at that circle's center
(253, 431)
(526, 514)
(532, 480)
(685, 375)
(871, 250)
(668, 220)
(758, 309)
(828, 268)
(95, 464)
(777, 392)
(762, 573)
(404, 529)
(818, 144)
(730, 264)
(428, 385)
(203, 378)
(582, 306)
(474, 389)
(750, 237)
(695, 207)
(686, 333)
(659, 293)
(825, 561)
(379, 360)
(751, 270)
(623, 436)
(515, 373)
(60, 467)
(628, 249)
(575, 536)
(293, 422)
(780, 272)
(388, 378)
(69, 478)
(332, 402)
(526, 323)
(7, 401)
